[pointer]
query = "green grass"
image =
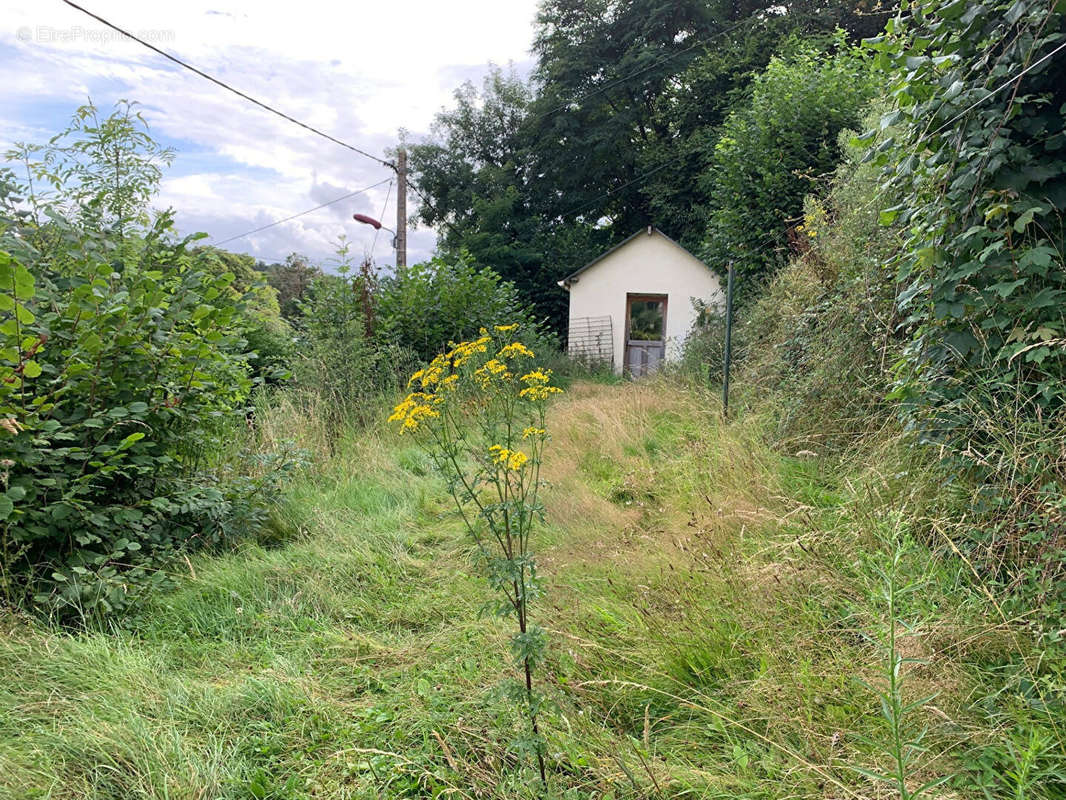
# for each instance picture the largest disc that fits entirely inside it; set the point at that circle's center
(713, 608)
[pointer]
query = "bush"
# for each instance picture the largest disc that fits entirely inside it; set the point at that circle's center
(338, 359)
(772, 153)
(269, 336)
(817, 356)
(121, 374)
(979, 183)
(424, 307)
(813, 350)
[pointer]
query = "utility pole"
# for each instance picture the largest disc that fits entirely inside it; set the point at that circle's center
(401, 208)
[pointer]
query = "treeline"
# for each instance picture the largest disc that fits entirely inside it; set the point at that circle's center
(710, 120)
(155, 393)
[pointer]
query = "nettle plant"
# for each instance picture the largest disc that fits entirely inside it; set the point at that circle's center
(479, 412)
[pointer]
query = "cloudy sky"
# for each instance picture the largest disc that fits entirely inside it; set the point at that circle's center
(361, 71)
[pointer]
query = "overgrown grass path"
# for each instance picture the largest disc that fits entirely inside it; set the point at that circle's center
(712, 605)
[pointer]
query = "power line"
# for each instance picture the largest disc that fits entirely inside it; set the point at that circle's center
(229, 88)
(586, 207)
(384, 208)
(422, 196)
(598, 90)
(302, 213)
(582, 98)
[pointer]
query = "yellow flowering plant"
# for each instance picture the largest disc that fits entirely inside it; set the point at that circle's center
(479, 412)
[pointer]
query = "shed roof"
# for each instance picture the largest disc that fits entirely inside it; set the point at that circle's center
(565, 282)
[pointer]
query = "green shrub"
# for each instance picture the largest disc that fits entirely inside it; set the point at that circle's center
(424, 307)
(121, 374)
(813, 349)
(974, 153)
(269, 337)
(774, 151)
(980, 179)
(337, 358)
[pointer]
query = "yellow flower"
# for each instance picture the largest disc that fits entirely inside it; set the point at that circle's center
(463, 351)
(415, 408)
(401, 410)
(538, 393)
(511, 459)
(514, 350)
(506, 328)
(489, 370)
(537, 385)
(531, 431)
(538, 376)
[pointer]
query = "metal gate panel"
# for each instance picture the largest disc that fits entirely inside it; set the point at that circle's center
(591, 340)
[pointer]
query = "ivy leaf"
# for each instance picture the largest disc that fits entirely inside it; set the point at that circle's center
(31, 369)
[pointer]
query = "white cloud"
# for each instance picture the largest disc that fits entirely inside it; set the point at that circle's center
(360, 71)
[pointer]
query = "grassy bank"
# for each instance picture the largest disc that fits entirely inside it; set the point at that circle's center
(716, 609)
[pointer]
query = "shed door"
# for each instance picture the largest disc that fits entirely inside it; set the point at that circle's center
(645, 333)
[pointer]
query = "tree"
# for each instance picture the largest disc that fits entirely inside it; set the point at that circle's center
(104, 170)
(490, 204)
(291, 281)
(775, 149)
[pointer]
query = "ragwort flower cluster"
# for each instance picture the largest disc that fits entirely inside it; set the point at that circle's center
(479, 411)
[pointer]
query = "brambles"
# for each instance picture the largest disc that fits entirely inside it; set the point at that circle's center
(479, 412)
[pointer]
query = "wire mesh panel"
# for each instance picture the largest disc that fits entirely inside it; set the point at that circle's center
(591, 339)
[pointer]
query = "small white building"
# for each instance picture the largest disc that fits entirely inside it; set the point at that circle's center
(634, 305)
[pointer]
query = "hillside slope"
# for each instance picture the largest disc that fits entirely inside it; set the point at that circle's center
(714, 610)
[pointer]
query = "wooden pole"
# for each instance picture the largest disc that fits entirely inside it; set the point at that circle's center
(728, 341)
(401, 208)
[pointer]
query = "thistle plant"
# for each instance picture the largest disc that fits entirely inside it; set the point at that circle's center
(478, 411)
(904, 744)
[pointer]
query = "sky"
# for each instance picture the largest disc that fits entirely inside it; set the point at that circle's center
(360, 71)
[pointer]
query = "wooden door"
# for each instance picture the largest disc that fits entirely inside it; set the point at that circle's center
(645, 333)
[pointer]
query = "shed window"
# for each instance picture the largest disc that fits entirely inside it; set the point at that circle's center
(647, 316)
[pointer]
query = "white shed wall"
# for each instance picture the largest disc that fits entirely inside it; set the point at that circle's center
(647, 264)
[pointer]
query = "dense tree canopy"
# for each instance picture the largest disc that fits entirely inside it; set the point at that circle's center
(611, 132)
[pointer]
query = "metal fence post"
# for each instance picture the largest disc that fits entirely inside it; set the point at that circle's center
(728, 341)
